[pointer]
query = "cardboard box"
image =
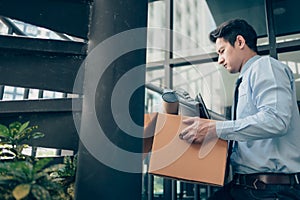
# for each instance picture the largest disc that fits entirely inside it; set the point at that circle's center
(175, 158)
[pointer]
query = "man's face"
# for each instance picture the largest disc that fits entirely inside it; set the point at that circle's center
(230, 57)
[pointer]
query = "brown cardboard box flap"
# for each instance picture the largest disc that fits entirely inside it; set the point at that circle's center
(175, 158)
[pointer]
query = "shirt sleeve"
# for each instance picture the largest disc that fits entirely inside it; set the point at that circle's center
(270, 84)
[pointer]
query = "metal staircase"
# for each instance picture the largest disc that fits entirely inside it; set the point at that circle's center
(47, 64)
(44, 64)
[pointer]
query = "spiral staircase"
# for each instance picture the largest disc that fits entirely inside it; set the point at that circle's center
(52, 65)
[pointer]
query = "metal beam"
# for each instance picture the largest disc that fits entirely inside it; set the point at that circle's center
(8, 42)
(40, 105)
(271, 28)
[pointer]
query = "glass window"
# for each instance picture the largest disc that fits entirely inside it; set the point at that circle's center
(293, 61)
(288, 38)
(286, 16)
(192, 23)
(153, 101)
(212, 81)
(157, 20)
(262, 41)
(52, 95)
(154, 78)
(3, 28)
(13, 93)
(155, 75)
(252, 11)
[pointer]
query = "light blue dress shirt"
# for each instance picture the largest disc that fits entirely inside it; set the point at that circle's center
(267, 129)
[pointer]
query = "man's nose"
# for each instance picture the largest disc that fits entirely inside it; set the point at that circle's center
(220, 60)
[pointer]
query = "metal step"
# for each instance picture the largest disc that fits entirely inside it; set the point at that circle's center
(64, 16)
(54, 117)
(40, 63)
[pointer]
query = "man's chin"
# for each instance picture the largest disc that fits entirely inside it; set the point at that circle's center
(231, 71)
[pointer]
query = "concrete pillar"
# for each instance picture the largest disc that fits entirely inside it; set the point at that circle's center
(110, 159)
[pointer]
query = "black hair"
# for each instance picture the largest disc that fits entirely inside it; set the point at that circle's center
(230, 29)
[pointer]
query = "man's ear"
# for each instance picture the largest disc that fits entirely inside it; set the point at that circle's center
(240, 41)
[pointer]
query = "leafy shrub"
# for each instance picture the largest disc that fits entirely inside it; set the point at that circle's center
(29, 178)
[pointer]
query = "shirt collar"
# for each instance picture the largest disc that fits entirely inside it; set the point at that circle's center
(248, 64)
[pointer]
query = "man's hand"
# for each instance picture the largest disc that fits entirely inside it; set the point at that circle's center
(198, 130)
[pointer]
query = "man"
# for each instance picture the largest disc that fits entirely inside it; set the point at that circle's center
(265, 156)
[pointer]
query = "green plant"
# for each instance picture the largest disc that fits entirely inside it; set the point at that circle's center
(13, 136)
(65, 175)
(28, 180)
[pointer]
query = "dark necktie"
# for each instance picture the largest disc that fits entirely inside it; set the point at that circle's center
(236, 96)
